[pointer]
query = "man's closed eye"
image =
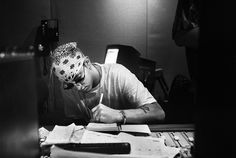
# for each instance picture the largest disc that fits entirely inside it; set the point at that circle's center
(79, 79)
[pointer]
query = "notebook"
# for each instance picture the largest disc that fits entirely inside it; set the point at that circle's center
(114, 127)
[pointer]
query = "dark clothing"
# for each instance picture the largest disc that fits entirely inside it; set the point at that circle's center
(185, 32)
(187, 18)
(191, 56)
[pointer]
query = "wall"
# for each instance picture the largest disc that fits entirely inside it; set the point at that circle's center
(20, 19)
(96, 24)
(160, 46)
(143, 24)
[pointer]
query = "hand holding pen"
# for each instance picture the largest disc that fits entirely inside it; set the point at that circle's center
(103, 113)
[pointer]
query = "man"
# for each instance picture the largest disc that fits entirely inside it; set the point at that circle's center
(106, 93)
(185, 32)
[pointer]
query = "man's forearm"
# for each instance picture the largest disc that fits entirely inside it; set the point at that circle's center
(146, 113)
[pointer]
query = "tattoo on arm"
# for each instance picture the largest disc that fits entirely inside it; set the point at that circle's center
(145, 108)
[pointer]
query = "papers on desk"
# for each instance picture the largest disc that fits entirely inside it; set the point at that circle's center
(43, 133)
(98, 137)
(148, 146)
(64, 134)
(144, 147)
(141, 147)
(135, 128)
(104, 127)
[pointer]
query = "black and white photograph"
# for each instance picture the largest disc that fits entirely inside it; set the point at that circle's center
(117, 78)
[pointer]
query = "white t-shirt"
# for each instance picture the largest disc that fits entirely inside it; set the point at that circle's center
(121, 90)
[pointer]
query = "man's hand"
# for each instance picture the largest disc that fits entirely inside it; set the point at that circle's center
(102, 113)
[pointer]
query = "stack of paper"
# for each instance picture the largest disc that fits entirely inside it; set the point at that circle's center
(43, 133)
(102, 127)
(98, 137)
(64, 134)
(141, 147)
(136, 128)
(148, 146)
(144, 147)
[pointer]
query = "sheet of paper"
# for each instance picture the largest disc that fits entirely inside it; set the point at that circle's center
(146, 147)
(77, 135)
(43, 133)
(61, 134)
(136, 128)
(102, 126)
(98, 137)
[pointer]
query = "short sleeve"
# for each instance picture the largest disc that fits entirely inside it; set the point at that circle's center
(133, 89)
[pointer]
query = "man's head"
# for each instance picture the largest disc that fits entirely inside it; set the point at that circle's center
(68, 64)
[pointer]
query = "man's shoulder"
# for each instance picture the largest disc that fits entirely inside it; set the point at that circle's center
(115, 67)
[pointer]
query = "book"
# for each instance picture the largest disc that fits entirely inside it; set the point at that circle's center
(114, 127)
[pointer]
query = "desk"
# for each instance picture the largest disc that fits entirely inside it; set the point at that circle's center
(176, 135)
(157, 127)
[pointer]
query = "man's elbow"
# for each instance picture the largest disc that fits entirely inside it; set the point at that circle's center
(160, 115)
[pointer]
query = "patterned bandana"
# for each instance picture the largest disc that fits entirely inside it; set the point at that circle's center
(67, 61)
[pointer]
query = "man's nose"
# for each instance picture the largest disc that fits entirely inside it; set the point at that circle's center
(79, 86)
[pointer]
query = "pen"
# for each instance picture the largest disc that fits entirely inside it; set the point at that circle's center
(100, 101)
(91, 113)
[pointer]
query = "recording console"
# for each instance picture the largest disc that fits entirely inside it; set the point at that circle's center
(176, 135)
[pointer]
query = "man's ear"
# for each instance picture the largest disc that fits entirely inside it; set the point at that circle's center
(87, 62)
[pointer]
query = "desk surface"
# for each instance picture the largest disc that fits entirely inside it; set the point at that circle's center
(157, 127)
